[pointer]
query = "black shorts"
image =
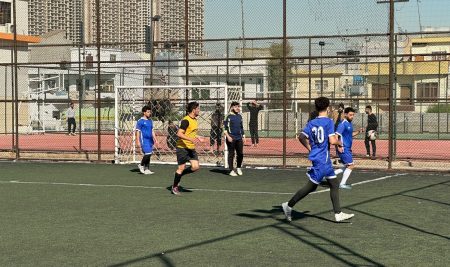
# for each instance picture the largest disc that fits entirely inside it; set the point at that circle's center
(185, 155)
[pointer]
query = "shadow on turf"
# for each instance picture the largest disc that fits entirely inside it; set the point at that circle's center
(277, 225)
(221, 171)
(277, 210)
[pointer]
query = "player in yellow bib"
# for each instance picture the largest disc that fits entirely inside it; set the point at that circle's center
(187, 138)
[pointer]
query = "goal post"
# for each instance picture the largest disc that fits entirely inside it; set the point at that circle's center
(168, 105)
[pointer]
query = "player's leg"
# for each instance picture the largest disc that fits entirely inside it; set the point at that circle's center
(256, 135)
(334, 195)
(314, 179)
(193, 159)
(366, 143)
(219, 139)
(240, 156)
(252, 134)
(231, 151)
(345, 176)
(347, 160)
(212, 138)
(177, 178)
(374, 149)
(74, 126)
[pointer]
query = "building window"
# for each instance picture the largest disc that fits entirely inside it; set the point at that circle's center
(112, 58)
(440, 55)
(317, 85)
(5, 13)
(427, 92)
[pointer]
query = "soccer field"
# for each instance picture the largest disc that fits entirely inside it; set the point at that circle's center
(63, 214)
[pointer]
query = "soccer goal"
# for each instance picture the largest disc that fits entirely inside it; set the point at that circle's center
(168, 104)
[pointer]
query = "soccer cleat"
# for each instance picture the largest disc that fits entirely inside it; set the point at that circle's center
(345, 186)
(175, 190)
(367, 156)
(233, 173)
(342, 216)
(239, 171)
(147, 171)
(141, 169)
(287, 211)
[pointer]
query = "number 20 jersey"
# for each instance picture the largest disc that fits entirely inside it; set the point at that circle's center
(318, 132)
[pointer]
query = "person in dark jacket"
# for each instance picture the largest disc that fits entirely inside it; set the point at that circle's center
(215, 136)
(372, 125)
(254, 108)
(172, 137)
(235, 138)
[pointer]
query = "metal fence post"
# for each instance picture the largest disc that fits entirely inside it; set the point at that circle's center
(285, 81)
(16, 86)
(99, 100)
(391, 83)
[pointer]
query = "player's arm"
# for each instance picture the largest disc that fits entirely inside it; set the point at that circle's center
(355, 133)
(304, 140)
(138, 134)
(226, 128)
(155, 140)
(242, 129)
(332, 137)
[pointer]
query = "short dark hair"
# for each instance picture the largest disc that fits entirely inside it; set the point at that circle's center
(191, 106)
(322, 103)
(341, 105)
(234, 103)
(145, 108)
(369, 107)
(348, 110)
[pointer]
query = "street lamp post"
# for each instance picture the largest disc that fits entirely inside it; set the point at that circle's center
(321, 44)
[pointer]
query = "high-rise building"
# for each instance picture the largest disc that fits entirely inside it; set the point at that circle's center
(172, 24)
(122, 22)
(49, 15)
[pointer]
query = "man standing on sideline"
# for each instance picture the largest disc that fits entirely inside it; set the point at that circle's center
(187, 138)
(372, 125)
(216, 128)
(346, 134)
(71, 120)
(254, 108)
(235, 138)
(316, 137)
(146, 138)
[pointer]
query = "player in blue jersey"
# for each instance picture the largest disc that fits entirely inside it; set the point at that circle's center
(146, 139)
(346, 133)
(317, 135)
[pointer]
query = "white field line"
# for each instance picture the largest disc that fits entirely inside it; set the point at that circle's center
(366, 181)
(192, 189)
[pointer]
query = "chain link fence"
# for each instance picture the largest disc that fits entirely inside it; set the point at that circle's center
(283, 54)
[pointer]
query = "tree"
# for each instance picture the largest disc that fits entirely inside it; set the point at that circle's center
(275, 74)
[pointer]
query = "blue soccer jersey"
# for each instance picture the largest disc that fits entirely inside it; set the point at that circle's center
(318, 132)
(145, 126)
(345, 132)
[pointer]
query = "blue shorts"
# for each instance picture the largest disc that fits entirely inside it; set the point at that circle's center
(147, 149)
(317, 173)
(346, 157)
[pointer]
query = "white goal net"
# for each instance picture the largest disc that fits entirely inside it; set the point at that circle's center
(168, 104)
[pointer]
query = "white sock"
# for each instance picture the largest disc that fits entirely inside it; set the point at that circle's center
(345, 176)
(338, 171)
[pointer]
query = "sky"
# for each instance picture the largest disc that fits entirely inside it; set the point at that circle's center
(263, 18)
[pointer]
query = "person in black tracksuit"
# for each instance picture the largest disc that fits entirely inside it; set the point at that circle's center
(216, 128)
(235, 138)
(372, 125)
(254, 109)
